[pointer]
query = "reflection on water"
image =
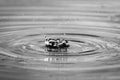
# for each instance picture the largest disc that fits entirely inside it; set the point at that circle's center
(92, 31)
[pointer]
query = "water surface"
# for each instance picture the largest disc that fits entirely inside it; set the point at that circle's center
(92, 30)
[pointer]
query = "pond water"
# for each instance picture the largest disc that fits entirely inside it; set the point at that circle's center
(93, 32)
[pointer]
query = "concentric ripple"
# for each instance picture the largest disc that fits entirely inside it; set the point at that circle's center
(84, 48)
(92, 32)
(80, 45)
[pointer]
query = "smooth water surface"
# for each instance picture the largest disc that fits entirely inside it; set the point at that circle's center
(91, 27)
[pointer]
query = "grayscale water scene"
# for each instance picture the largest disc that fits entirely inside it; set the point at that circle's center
(92, 28)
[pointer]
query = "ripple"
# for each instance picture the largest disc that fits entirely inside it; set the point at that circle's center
(84, 48)
(93, 37)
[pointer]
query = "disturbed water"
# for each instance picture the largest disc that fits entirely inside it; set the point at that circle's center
(92, 32)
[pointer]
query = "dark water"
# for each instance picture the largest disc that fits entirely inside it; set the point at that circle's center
(92, 29)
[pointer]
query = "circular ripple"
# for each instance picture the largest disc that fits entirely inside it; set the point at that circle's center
(84, 49)
(79, 45)
(93, 34)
